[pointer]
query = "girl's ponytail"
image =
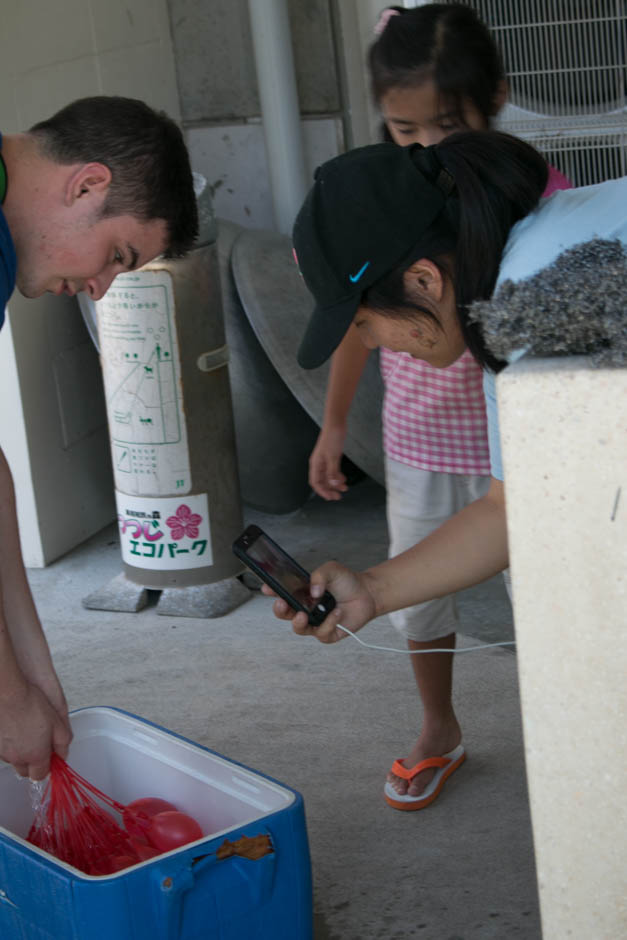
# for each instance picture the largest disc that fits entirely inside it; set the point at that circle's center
(499, 180)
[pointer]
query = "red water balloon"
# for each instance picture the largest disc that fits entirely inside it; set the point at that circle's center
(150, 805)
(137, 815)
(119, 863)
(143, 850)
(171, 829)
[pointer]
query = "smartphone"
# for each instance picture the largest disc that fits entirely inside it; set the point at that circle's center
(285, 576)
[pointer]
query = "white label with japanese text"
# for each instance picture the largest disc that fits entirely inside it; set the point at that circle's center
(143, 388)
(165, 533)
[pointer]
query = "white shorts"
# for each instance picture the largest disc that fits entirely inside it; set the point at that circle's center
(418, 502)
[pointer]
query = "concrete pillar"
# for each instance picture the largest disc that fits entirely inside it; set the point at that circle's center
(276, 78)
(564, 437)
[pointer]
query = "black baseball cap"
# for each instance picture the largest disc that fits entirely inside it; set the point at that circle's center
(363, 216)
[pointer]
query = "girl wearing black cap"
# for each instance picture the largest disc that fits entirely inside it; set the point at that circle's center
(430, 231)
(435, 69)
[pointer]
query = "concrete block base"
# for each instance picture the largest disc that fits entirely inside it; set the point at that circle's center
(118, 594)
(203, 600)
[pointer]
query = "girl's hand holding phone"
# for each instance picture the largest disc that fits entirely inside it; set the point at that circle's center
(355, 603)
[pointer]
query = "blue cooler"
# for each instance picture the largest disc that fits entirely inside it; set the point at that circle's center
(186, 894)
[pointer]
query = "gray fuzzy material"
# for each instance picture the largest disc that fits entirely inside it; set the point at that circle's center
(575, 306)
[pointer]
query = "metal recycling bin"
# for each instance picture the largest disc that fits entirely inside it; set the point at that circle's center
(164, 361)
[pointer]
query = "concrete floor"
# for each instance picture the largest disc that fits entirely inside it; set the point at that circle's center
(329, 721)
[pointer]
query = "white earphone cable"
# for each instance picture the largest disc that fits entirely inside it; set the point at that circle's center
(393, 649)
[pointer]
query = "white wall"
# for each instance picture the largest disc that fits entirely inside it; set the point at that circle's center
(220, 101)
(233, 160)
(52, 424)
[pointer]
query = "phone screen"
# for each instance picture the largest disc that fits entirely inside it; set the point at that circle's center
(280, 566)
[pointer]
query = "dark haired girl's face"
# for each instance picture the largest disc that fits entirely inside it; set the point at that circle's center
(437, 338)
(440, 345)
(417, 115)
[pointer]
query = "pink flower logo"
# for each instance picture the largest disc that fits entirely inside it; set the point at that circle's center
(184, 523)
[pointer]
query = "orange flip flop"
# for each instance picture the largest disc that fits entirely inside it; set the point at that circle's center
(446, 764)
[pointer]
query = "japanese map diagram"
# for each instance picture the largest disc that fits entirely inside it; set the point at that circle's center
(141, 370)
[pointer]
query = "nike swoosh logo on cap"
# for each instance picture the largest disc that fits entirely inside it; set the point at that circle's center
(355, 277)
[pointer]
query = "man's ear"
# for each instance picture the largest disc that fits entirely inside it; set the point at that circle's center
(88, 181)
(423, 279)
